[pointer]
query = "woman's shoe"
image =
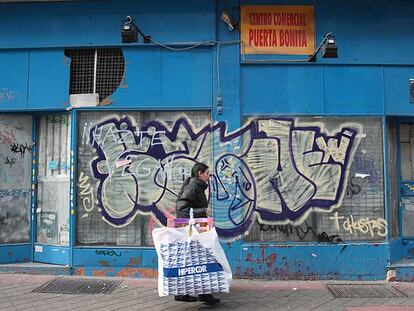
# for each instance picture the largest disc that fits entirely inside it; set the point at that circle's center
(208, 299)
(186, 298)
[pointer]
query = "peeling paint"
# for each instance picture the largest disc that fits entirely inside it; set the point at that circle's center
(249, 272)
(104, 263)
(237, 274)
(271, 259)
(135, 261)
(137, 272)
(101, 272)
(80, 271)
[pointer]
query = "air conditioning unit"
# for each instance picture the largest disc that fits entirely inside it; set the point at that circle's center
(84, 100)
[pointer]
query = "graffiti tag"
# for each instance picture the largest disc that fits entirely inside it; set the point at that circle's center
(20, 148)
(9, 161)
(364, 225)
(107, 253)
(7, 95)
(58, 120)
(14, 193)
(86, 192)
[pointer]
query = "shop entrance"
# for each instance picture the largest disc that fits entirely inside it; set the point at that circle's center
(406, 140)
(51, 241)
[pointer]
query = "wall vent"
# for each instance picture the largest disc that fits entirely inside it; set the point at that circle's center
(95, 71)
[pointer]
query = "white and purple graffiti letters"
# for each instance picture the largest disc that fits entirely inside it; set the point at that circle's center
(270, 168)
(141, 170)
(235, 195)
(310, 170)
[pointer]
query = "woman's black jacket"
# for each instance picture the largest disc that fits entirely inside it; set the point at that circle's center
(192, 195)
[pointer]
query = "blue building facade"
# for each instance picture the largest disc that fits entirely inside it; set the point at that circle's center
(312, 176)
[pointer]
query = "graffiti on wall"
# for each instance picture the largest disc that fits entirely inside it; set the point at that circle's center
(365, 225)
(15, 168)
(272, 169)
(7, 95)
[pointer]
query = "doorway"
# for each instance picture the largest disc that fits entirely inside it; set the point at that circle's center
(51, 244)
(406, 143)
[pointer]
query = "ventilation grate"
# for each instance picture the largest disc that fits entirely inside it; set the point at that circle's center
(78, 286)
(96, 71)
(364, 291)
(109, 71)
(82, 68)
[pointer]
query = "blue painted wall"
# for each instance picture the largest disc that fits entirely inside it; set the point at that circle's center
(366, 32)
(341, 261)
(115, 262)
(364, 80)
(14, 79)
(98, 23)
(48, 80)
(14, 253)
(51, 254)
(39, 79)
(370, 77)
(156, 77)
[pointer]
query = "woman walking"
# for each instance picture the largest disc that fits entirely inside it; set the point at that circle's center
(192, 195)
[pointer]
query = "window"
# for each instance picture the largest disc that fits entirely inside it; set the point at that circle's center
(96, 71)
(122, 167)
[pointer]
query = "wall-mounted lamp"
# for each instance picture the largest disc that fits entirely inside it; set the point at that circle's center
(329, 48)
(231, 25)
(130, 31)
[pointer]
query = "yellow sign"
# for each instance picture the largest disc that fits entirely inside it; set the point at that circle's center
(269, 29)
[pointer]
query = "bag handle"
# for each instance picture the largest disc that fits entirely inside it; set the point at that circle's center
(191, 223)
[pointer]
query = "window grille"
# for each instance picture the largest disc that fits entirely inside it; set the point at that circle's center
(96, 71)
(363, 198)
(91, 229)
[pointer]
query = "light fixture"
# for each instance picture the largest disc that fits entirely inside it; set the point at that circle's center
(329, 48)
(231, 25)
(130, 31)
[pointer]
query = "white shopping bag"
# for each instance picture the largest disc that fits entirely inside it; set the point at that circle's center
(190, 264)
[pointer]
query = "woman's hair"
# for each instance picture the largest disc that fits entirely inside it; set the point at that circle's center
(198, 167)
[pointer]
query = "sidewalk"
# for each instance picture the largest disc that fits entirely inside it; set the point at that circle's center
(141, 294)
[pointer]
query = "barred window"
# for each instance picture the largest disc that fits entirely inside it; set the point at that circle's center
(110, 197)
(96, 71)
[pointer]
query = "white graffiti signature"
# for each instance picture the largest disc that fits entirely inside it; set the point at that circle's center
(364, 225)
(86, 192)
